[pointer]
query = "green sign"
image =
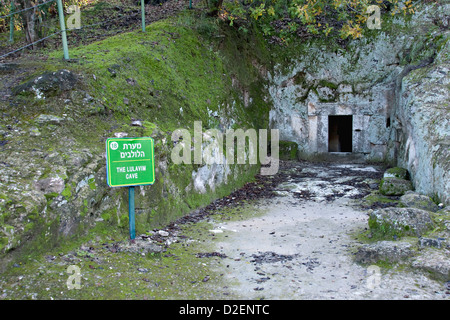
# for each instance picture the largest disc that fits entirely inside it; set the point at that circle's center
(130, 162)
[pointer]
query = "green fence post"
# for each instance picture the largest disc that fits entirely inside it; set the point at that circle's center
(11, 23)
(143, 15)
(131, 217)
(190, 4)
(62, 23)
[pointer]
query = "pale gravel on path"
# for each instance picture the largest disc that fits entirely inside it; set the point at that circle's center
(317, 236)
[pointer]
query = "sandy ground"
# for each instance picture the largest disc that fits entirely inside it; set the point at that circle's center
(303, 250)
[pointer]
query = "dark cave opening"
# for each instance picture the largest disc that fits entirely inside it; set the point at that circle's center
(340, 129)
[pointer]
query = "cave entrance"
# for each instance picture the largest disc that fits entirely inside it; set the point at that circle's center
(340, 133)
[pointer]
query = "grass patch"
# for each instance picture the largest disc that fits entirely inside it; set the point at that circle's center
(176, 273)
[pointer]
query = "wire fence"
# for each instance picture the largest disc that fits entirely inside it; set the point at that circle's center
(28, 45)
(46, 13)
(36, 17)
(25, 9)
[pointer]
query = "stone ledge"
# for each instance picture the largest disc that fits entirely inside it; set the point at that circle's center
(435, 262)
(391, 251)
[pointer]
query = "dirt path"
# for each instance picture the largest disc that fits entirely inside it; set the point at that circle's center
(301, 249)
(288, 236)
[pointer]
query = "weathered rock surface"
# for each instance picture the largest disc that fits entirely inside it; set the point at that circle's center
(390, 251)
(401, 221)
(51, 185)
(420, 126)
(392, 186)
(435, 262)
(396, 172)
(433, 242)
(140, 246)
(419, 201)
(49, 83)
(395, 87)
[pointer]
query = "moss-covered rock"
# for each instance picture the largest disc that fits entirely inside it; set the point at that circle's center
(415, 200)
(395, 186)
(49, 83)
(392, 223)
(396, 172)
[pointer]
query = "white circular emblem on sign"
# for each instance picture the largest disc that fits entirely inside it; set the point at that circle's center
(114, 145)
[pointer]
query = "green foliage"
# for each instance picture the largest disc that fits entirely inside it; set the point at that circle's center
(80, 3)
(288, 19)
(214, 6)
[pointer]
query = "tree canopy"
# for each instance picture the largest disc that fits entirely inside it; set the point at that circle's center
(285, 19)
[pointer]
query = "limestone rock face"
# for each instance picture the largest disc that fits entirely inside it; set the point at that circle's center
(50, 185)
(394, 87)
(355, 82)
(423, 127)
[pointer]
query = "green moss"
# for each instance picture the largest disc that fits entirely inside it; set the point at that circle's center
(28, 227)
(182, 199)
(91, 183)
(385, 264)
(8, 229)
(168, 77)
(376, 198)
(441, 41)
(169, 64)
(328, 84)
(149, 128)
(243, 211)
(51, 195)
(394, 186)
(3, 243)
(383, 230)
(288, 150)
(176, 273)
(107, 215)
(398, 172)
(67, 192)
(84, 209)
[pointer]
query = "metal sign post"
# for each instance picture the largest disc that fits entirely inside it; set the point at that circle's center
(62, 24)
(143, 15)
(131, 217)
(129, 163)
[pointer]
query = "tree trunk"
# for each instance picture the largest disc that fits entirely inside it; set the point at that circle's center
(214, 7)
(29, 21)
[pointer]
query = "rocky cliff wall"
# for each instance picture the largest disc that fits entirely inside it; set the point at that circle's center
(421, 126)
(394, 85)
